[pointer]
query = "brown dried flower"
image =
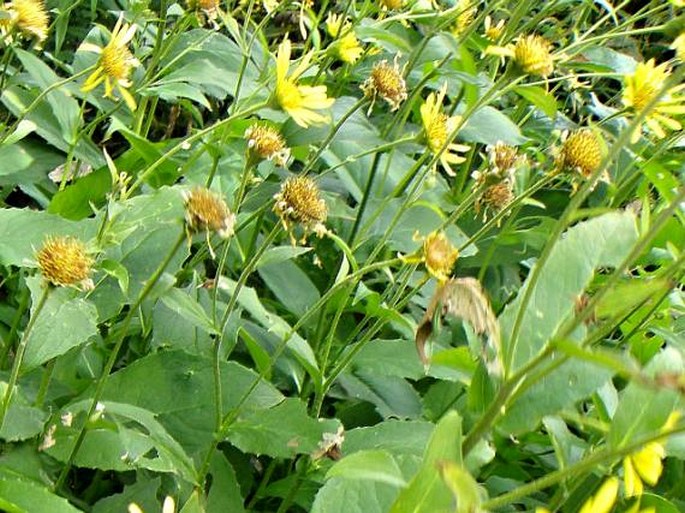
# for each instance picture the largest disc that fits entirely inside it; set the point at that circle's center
(64, 261)
(205, 211)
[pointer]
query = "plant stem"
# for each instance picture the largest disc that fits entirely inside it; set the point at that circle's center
(18, 358)
(109, 365)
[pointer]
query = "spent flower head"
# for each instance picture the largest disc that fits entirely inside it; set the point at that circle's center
(64, 261)
(495, 198)
(299, 101)
(266, 143)
(386, 81)
(206, 211)
(29, 17)
(207, 10)
(299, 202)
(438, 127)
(643, 86)
(115, 63)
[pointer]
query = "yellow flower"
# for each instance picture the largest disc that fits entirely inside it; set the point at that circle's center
(115, 63)
(265, 142)
(64, 261)
(392, 4)
(335, 22)
(385, 81)
(643, 465)
(466, 14)
(30, 17)
(205, 211)
(299, 201)
(437, 254)
(298, 101)
(679, 46)
(531, 53)
(582, 152)
(438, 127)
(642, 87)
(346, 47)
(601, 502)
(169, 506)
(493, 32)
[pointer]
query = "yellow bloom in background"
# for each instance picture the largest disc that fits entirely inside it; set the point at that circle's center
(466, 14)
(643, 86)
(493, 31)
(392, 4)
(437, 253)
(115, 64)
(346, 46)
(299, 201)
(64, 261)
(438, 127)
(643, 465)
(299, 101)
(601, 502)
(679, 46)
(531, 53)
(30, 17)
(387, 82)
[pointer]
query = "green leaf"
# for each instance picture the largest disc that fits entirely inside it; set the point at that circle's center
(291, 285)
(63, 106)
(376, 465)
(76, 201)
(600, 242)
(64, 322)
(125, 437)
(278, 254)
(22, 421)
(463, 486)
(540, 98)
(392, 396)
(224, 494)
(354, 496)
(427, 492)
(281, 431)
(489, 126)
(395, 436)
(182, 400)
(644, 410)
(569, 383)
(182, 304)
(22, 496)
(143, 492)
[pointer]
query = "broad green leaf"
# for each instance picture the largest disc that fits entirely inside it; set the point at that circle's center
(600, 242)
(427, 492)
(76, 201)
(23, 421)
(354, 496)
(394, 436)
(23, 496)
(279, 254)
(281, 431)
(372, 465)
(392, 396)
(24, 128)
(463, 486)
(224, 494)
(539, 97)
(291, 285)
(183, 400)
(63, 106)
(143, 493)
(644, 410)
(389, 358)
(489, 126)
(567, 384)
(184, 305)
(64, 322)
(27, 161)
(125, 437)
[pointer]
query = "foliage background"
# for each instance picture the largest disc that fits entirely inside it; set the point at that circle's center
(256, 373)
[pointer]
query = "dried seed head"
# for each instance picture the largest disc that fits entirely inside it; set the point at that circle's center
(64, 261)
(532, 54)
(582, 152)
(205, 211)
(504, 157)
(439, 255)
(265, 142)
(387, 82)
(299, 201)
(495, 198)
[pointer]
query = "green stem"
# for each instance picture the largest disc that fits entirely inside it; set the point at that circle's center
(109, 365)
(19, 357)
